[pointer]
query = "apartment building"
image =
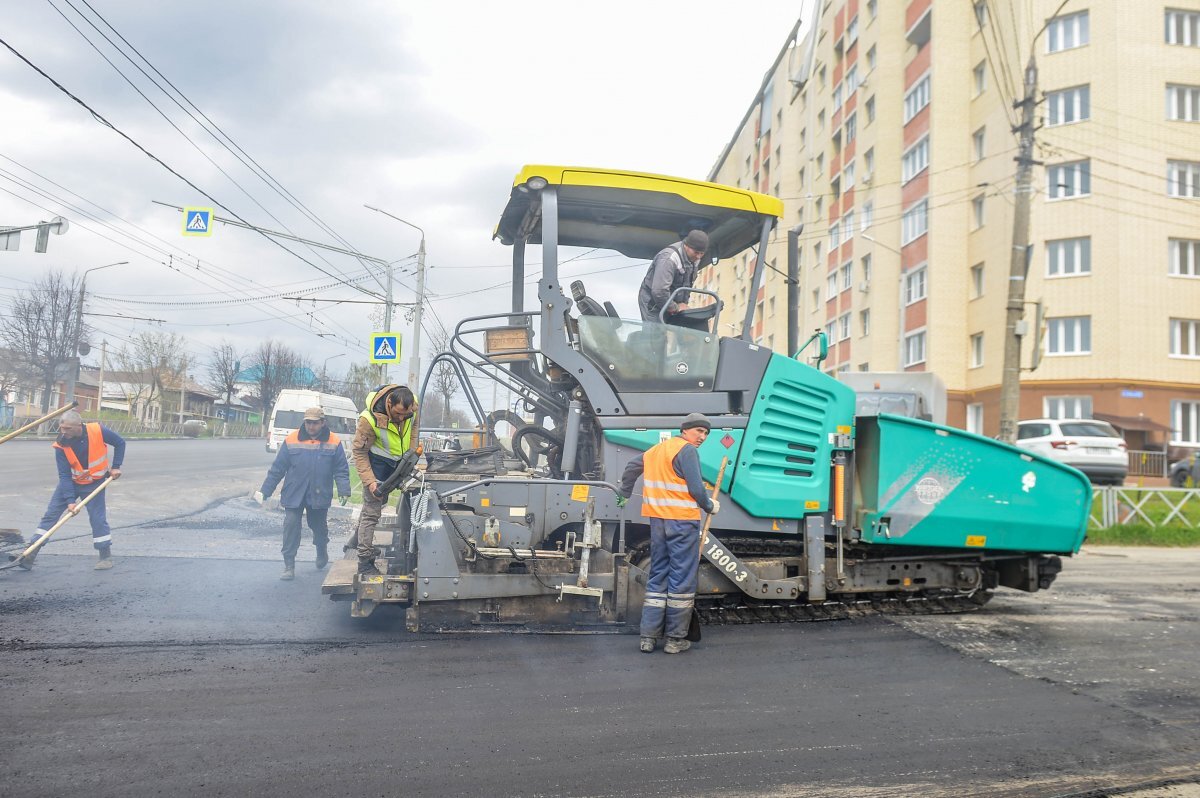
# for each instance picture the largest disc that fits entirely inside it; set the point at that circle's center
(887, 130)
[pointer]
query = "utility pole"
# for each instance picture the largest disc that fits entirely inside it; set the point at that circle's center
(182, 390)
(414, 360)
(1018, 267)
(100, 381)
(77, 333)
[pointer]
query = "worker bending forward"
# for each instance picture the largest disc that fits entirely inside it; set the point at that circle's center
(384, 433)
(672, 496)
(309, 462)
(81, 452)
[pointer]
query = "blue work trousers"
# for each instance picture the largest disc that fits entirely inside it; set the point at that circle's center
(318, 522)
(101, 534)
(671, 587)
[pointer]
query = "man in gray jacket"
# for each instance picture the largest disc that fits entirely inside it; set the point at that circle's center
(673, 267)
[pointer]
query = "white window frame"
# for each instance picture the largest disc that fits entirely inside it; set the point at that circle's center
(914, 348)
(846, 274)
(979, 76)
(836, 98)
(1068, 336)
(1068, 257)
(864, 265)
(848, 176)
(1069, 180)
(852, 30)
(981, 14)
(864, 322)
(869, 105)
(975, 418)
(844, 326)
(1068, 106)
(1182, 27)
(916, 98)
(1185, 339)
(1066, 407)
(916, 285)
(872, 59)
(1185, 422)
(914, 222)
(868, 215)
(979, 143)
(976, 276)
(1183, 179)
(978, 211)
(835, 235)
(850, 126)
(831, 286)
(851, 80)
(1183, 257)
(1068, 32)
(915, 159)
(1183, 102)
(976, 349)
(848, 226)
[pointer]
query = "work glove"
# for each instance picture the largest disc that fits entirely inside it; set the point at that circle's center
(258, 497)
(716, 507)
(621, 500)
(342, 500)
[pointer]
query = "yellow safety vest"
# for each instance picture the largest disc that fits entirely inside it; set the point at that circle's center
(391, 441)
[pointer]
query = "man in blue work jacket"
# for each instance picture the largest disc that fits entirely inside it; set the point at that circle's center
(310, 460)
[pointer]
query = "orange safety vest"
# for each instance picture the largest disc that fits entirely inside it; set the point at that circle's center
(665, 493)
(97, 451)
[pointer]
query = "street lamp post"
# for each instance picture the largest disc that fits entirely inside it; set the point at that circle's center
(71, 377)
(414, 360)
(323, 367)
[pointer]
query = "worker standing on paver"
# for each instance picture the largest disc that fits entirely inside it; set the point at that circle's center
(81, 452)
(672, 496)
(310, 461)
(384, 433)
(673, 267)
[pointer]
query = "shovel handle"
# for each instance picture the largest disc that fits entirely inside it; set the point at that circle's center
(32, 424)
(67, 516)
(716, 492)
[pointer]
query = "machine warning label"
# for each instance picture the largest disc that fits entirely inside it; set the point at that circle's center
(976, 540)
(812, 505)
(579, 493)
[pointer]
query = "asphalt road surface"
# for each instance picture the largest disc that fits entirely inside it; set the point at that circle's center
(189, 669)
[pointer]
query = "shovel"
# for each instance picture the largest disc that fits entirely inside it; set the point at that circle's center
(693, 632)
(20, 559)
(32, 424)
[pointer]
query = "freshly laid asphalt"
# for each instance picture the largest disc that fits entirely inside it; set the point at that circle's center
(189, 669)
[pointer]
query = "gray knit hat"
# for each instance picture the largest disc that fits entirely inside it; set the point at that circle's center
(697, 240)
(695, 420)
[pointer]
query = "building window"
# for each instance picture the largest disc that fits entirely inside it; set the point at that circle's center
(1183, 27)
(848, 226)
(914, 349)
(1069, 335)
(848, 176)
(1066, 180)
(1068, 105)
(916, 99)
(843, 326)
(820, 202)
(837, 96)
(872, 8)
(1183, 103)
(821, 76)
(802, 182)
(831, 331)
(914, 286)
(868, 164)
(1067, 407)
(821, 163)
(975, 418)
(979, 73)
(1184, 257)
(851, 80)
(977, 211)
(1183, 179)
(865, 265)
(868, 212)
(915, 160)
(852, 31)
(831, 286)
(981, 13)
(1067, 32)
(977, 281)
(1185, 422)
(851, 127)
(1185, 335)
(847, 274)
(976, 350)
(914, 223)
(835, 236)
(870, 108)
(821, 120)
(872, 59)
(1066, 257)
(864, 322)
(978, 143)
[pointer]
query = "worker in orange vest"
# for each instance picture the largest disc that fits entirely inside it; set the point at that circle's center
(673, 495)
(81, 451)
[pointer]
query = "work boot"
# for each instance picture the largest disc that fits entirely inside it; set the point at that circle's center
(27, 562)
(676, 645)
(105, 559)
(367, 568)
(289, 571)
(322, 558)
(647, 645)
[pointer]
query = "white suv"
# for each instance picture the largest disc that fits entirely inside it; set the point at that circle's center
(1092, 446)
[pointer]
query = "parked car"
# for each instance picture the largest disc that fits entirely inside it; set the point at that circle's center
(195, 427)
(1092, 446)
(1180, 472)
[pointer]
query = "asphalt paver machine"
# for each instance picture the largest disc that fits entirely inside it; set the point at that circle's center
(823, 515)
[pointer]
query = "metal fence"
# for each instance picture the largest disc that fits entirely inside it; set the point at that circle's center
(161, 429)
(1112, 506)
(1147, 464)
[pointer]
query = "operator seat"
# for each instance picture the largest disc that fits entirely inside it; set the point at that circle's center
(588, 306)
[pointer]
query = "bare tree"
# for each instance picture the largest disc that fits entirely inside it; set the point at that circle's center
(150, 361)
(359, 381)
(224, 365)
(444, 380)
(278, 367)
(44, 328)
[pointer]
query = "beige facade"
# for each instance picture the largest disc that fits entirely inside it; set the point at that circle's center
(886, 129)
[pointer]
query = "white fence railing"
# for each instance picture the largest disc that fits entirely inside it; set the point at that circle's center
(1154, 506)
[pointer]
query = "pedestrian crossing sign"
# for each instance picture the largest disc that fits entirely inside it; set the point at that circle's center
(197, 221)
(385, 348)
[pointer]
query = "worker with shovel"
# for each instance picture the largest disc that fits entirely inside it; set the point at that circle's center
(672, 496)
(81, 451)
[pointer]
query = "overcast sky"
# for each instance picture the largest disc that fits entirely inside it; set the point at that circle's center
(426, 110)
